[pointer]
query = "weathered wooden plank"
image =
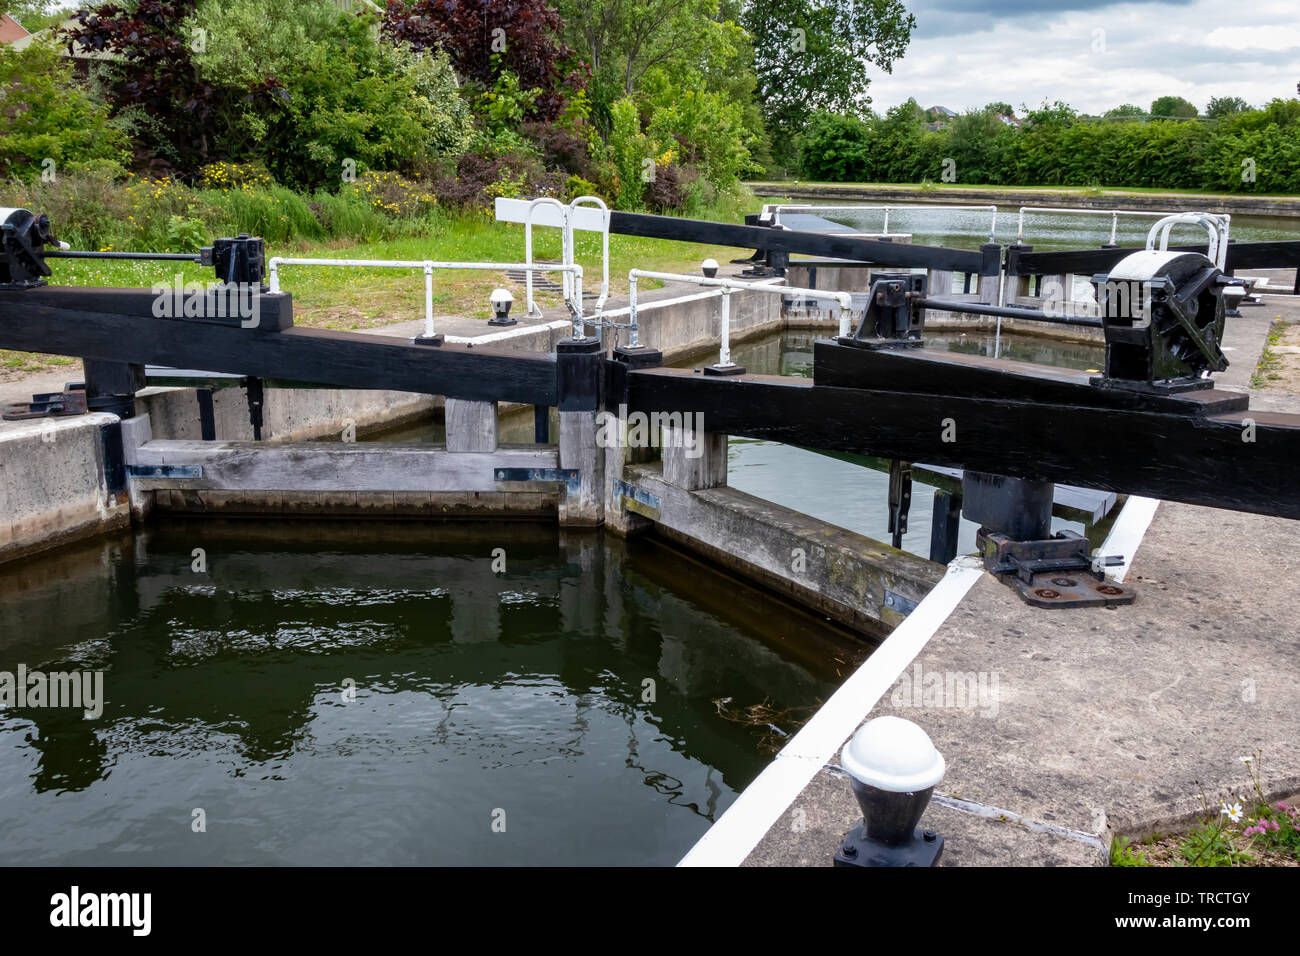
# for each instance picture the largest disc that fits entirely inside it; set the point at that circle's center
(323, 356)
(1216, 460)
(471, 426)
(338, 466)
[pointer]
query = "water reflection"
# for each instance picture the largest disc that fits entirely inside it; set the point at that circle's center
(366, 693)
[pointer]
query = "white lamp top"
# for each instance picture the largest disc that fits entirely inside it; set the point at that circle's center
(893, 754)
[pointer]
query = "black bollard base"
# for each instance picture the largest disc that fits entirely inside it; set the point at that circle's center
(732, 369)
(924, 849)
(432, 341)
(639, 356)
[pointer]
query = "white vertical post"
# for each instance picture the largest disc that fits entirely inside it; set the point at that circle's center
(724, 358)
(428, 300)
(634, 333)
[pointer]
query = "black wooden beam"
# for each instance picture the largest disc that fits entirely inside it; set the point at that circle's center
(1199, 460)
(940, 372)
(897, 254)
(1241, 255)
(328, 358)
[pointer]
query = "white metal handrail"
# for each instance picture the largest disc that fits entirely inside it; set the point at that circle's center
(775, 209)
(1113, 213)
(565, 256)
(1215, 224)
(572, 244)
(725, 287)
(574, 272)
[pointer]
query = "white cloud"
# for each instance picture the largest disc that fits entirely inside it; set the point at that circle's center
(1255, 38)
(1148, 50)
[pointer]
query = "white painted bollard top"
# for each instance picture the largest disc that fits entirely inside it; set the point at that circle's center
(894, 755)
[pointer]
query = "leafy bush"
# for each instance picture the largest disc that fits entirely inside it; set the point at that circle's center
(48, 124)
(476, 179)
(394, 195)
(576, 186)
(534, 53)
(667, 192)
(835, 147)
(161, 213)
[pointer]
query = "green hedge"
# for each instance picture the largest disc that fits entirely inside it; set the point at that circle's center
(1055, 147)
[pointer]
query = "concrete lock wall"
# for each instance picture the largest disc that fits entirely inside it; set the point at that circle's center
(52, 487)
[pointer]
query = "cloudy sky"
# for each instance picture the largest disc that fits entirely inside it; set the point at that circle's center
(1093, 54)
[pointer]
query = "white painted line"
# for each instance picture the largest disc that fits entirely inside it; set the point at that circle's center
(736, 833)
(1127, 532)
(512, 333)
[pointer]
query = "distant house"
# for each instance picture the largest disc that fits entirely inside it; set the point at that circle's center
(1009, 121)
(10, 29)
(79, 54)
(939, 117)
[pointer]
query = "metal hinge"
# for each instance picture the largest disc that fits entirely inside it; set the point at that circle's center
(568, 476)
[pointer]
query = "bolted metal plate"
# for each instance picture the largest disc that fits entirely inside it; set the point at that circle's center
(897, 602)
(568, 476)
(1068, 589)
(164, 471)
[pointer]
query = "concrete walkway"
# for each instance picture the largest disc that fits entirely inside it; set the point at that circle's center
(1065, 729)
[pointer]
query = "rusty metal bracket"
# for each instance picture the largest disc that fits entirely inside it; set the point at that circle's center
(1055, 572)
(638, 501)
(70, 401)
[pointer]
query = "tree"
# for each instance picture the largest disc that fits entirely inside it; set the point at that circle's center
(1125, 111)
(298, 85)
(626, 38)
(835, 148)
(810, 55)
(1173, 107)
(49, 124)
(1221, 106)
(999, 109)
(485, 37)
(152, 83)
(32, 15)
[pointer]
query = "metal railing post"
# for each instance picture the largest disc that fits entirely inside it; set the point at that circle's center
(428, 299)
(724, 354)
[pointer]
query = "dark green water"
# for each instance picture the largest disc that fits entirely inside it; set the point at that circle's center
(479, 696)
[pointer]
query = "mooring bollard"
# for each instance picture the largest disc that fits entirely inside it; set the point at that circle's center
(893, 767)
